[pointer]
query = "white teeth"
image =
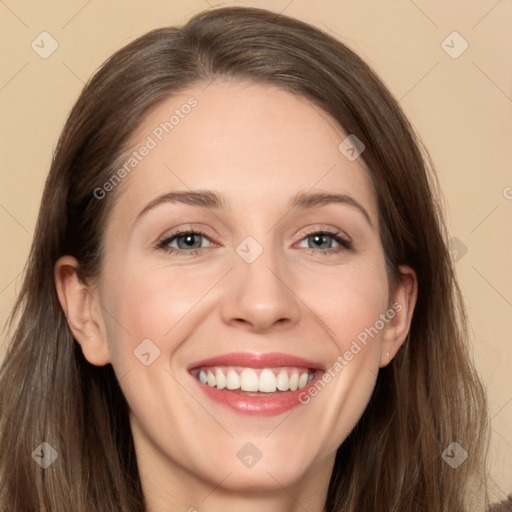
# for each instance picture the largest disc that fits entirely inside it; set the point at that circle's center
(232, 380)
(249, 380)
(210, 378)
(303, 380)
(220, 378)
(268, 381)
(283, 381)
(265, 380)
(294, 381)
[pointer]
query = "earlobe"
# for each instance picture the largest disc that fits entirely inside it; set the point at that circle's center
(84, 318)
(402, 304)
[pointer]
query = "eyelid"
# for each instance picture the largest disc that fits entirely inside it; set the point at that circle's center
(163, 241)
(187, 228)
(340, 237)
(328, 230)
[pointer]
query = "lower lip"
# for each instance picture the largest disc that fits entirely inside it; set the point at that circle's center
(268, 404)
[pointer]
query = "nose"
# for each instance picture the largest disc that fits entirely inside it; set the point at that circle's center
(260, 296)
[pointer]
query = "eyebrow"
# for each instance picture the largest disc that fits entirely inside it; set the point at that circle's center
(304, 200)
(202, 198)
(215, 201)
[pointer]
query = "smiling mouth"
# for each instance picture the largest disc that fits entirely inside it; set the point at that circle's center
(256, 384)
(254, 381)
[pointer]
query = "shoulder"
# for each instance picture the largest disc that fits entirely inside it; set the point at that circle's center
(504, 506)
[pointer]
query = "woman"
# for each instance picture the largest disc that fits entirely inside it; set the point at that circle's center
(239, 293)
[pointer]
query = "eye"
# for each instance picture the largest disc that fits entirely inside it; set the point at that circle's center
(185, 241)
(326, 241)
(191, 242)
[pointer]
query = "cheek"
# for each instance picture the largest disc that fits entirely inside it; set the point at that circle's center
(144, 330)
(152, 313)
(351, 309)
(349, 302)
(149, 304)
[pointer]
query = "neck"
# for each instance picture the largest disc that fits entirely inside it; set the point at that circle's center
(168, 487)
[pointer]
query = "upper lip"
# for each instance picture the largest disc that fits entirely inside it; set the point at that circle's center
(257, 360)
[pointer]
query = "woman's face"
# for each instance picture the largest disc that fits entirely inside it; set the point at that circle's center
(244, 299)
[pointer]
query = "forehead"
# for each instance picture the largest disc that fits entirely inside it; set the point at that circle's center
(256, 143)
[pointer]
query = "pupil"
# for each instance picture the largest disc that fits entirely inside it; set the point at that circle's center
(189, 240)
(319, 239)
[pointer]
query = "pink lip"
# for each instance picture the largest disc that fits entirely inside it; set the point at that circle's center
(264, 405)
(256, 360)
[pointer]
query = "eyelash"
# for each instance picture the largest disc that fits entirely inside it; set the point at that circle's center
(344, 242)
(164, 243)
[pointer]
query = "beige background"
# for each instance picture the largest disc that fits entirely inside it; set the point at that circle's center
(461, 107)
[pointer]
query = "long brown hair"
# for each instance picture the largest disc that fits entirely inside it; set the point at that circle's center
(427, 398)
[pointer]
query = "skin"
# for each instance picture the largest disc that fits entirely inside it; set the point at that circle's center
(258, 146)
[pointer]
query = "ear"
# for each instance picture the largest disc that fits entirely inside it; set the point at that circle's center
(402, 302)
(82, 310)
